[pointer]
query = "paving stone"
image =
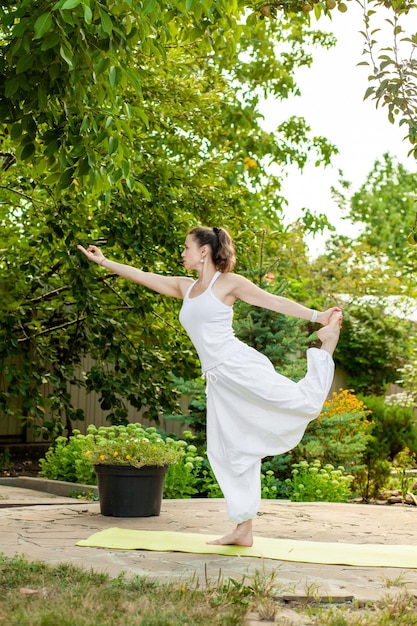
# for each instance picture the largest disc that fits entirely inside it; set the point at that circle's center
(49, 532)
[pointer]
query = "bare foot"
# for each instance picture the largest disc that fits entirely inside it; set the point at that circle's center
(329, 335)
(241, 536)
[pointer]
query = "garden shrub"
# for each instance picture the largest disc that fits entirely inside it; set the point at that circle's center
(269, 485)
(403, 462)
(67, 460)
(280, 465)
(311, 482)
(181, 477)
(339, 435)
(371, 478)
(207, 483)
(393, 428)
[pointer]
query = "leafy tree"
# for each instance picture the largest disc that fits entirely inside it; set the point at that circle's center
(393, 429)
(384, 207)
(377, 338)
(407, 379)
(67, 67)
(351, 269)
(279, 337)
(185, 148)
(373, 277)
(372, 346)
(393, 76)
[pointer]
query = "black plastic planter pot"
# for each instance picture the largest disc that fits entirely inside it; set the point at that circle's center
(130, 491)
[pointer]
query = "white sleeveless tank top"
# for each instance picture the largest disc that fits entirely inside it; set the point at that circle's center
(208, 322)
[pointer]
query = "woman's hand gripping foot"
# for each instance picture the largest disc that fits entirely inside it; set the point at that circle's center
(329, 335)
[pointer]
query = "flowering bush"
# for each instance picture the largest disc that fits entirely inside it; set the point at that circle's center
(312, 483)
(129, 445)
(73, 459)
(340, 434)
(66, 460)
(181, 478)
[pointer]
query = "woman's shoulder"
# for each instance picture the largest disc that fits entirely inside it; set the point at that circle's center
(228, 285)
(233, 279)
(184, 282)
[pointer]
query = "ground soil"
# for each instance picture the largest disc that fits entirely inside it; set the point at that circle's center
(21, 459)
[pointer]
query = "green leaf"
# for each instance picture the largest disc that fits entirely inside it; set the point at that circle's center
(42, 96)
(412, 238)
(52, 179)
(134, 77)
(317, 10)
(66, 179)
(115, 76)
(42, 25)
(70, 4)
(52, 148)
(141, 113)
(66, 54)
(369, 92)
(130, 182)
(148, 7)
(88, 14)
(12, 86)
(113, 144)
(28, 151)
(102, 65)
(24, 63)
(106, 23)
(85, 125)
(52, 40)
(16, 131)
(143, 190)
(125, 168)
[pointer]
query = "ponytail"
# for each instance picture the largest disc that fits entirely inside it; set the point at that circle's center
(221, 246)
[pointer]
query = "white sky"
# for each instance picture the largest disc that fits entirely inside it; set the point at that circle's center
(332, 103)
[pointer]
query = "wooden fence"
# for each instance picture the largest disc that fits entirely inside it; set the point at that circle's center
(11, 429)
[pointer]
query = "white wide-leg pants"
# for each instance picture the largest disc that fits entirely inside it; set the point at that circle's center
(254, 412)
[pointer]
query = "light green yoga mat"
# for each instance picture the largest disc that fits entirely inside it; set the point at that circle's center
(363, 555)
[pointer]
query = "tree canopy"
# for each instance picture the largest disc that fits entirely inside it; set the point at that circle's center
(375, 277)
(149, 126)
(123, 124)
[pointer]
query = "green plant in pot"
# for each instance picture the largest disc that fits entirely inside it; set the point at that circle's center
(130, 463)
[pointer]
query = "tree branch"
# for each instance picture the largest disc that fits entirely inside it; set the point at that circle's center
(53, 329)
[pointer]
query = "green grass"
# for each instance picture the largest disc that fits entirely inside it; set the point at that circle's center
(393, 610)
(33, 593)
(37, 594)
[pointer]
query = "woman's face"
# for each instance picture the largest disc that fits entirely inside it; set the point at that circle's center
(192, 254)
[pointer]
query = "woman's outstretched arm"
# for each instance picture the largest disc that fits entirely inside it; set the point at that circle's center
(174, 286)
(245, 290)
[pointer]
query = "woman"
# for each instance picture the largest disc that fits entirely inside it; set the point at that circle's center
(252, 411)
